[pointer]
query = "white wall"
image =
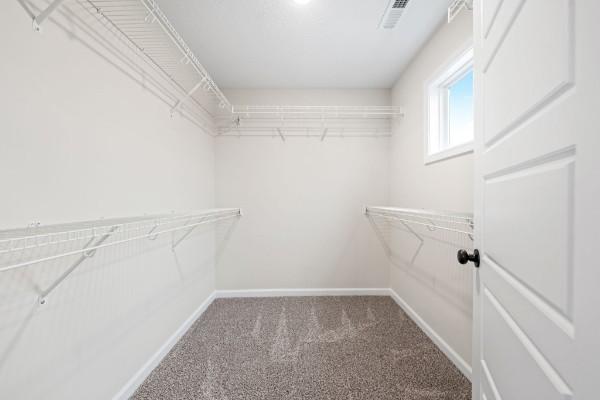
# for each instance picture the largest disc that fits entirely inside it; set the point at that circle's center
(434, 285)
(81, 138)
(303, 201)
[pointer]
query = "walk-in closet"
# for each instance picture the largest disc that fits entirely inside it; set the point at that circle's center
(299, 199)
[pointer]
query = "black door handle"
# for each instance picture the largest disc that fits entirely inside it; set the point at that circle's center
(464, 257)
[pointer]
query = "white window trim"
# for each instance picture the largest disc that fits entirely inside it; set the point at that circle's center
(449, 73)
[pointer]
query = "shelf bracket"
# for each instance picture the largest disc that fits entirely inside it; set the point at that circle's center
(85, 255)
(151, 13)
(387, 247)
(281, 134)
(175, 243)
(419, 238)
(324, 134)
(187, 96)
(37, 21)
(472, 225)
(457, 6)
(150, 233)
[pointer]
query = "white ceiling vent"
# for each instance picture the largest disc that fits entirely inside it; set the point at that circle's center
(392, 13)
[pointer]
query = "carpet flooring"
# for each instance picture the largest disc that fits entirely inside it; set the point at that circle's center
(305, 348)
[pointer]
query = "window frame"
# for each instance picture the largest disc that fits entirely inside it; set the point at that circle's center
(436, 107)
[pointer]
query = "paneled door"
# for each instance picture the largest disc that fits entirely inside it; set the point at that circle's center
(537, 289)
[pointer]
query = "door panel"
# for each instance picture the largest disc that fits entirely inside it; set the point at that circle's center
(537, 190)
(537, 379)
(496, 29)
(543, 324)
(517, 204)
(487, 391)
(489, 12)
(534, 81)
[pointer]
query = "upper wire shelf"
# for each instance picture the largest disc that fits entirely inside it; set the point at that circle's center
(145, 29)
(146, 25)
(460, 223)
(318, 111)
(308, 121)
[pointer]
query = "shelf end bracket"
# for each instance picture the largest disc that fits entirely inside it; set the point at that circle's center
(189, 94)
(38, 20)
(85, 255)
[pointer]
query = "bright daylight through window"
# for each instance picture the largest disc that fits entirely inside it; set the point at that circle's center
(450, 110)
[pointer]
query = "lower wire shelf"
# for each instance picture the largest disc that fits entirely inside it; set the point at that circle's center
(20, 248)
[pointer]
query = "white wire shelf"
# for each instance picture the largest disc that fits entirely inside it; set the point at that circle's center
(144, 27)
(24, 247)
(275, 111)
(432, 220)
(308, 121)
(144, 23)
(457, 6)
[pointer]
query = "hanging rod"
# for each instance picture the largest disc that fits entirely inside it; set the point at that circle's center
(431, 219)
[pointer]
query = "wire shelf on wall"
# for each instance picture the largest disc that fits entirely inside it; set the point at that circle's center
(318, 111)
(144, 28)
(76, 242)
(432, 220)
(444, 231)
(145, 25)
(309, 121)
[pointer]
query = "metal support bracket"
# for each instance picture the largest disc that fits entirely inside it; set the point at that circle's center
(457, 6)
(37, 21)
(281, 134)
(472, 225)
(408, 228)
(187, 96)
(324, 134)
(419, 238)
(85, 255)
(151, 12)
(150, 233)
(381, 237)
(175, 243)
(431, 228)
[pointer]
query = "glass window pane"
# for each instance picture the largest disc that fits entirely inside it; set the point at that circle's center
(460, 110)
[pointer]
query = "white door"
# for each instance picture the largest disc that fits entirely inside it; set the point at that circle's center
(537, 291)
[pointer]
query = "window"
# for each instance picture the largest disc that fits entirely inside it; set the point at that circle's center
(450, 110)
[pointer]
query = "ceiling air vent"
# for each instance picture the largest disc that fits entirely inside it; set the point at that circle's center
(392, 13)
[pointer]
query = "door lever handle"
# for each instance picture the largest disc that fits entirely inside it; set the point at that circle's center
(464, 257)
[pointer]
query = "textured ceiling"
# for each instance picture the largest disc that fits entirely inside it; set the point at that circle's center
(324, 44)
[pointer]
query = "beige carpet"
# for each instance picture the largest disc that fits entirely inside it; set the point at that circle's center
(305, 348)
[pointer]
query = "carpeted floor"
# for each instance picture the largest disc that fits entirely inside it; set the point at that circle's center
(305, 348)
